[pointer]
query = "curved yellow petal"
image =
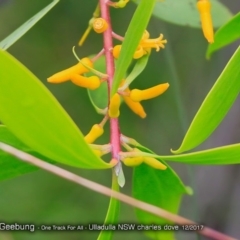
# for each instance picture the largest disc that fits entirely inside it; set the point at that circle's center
(204, 8)
(95, 132)
(138, 95)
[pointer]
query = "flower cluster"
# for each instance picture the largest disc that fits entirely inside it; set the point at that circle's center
(77, 75)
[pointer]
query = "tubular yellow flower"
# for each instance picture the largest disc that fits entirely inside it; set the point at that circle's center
(91, 83)
(95, 132)
(136, 107)
(153, 43)
(132, 162)
(113, 110)
(100, 25)
(204, 7)
(144, 47)
(154, 163)
(138, 95)
(65, 75)
(116, 51)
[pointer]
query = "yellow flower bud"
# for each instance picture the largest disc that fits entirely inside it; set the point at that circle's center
(138, 95)
(134, 161)
(65, 75)
(204, 7)
(95, 132)
(116, 51)
(136, 107)
(100, 25)
(113, 110)
(154, 163)
(91, 83)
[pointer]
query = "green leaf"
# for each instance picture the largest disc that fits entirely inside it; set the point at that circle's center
(131, 40)
(225, 35)
(34, 116)
(11, 167)
(112, 214)
(18, 33)
(99, 97)
(160, 188)
(229, 154)
(185, 12)
(215, 106)
(136, 71)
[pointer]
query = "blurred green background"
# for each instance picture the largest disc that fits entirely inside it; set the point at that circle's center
(42, 198)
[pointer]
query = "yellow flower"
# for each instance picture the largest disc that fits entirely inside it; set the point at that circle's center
(100, 25)
(136, 107)
(116, 51)
(135, 161)
(204, 7)
(140, 52)
(95, 132)
(132, 162)
(138, 95)
(91, 83)
(144, 46)
(154, 163)
(113, 110)
(152, 43)
(66, 74)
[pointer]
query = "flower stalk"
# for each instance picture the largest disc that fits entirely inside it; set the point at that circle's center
(108, 45)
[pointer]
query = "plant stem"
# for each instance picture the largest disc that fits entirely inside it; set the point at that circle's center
(108, 45)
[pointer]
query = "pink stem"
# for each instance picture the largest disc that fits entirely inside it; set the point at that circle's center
(118, 37)
(108, 45)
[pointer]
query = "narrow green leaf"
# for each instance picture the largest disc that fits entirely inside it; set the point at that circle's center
(225, 35)
(31, 113)
(185, 12)
(99, 97)
(160, 188)
(215, 106)
(229, 154)
(18, 33)
(131, 40)
(136, 71)
(112, 214)
(11, 167)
